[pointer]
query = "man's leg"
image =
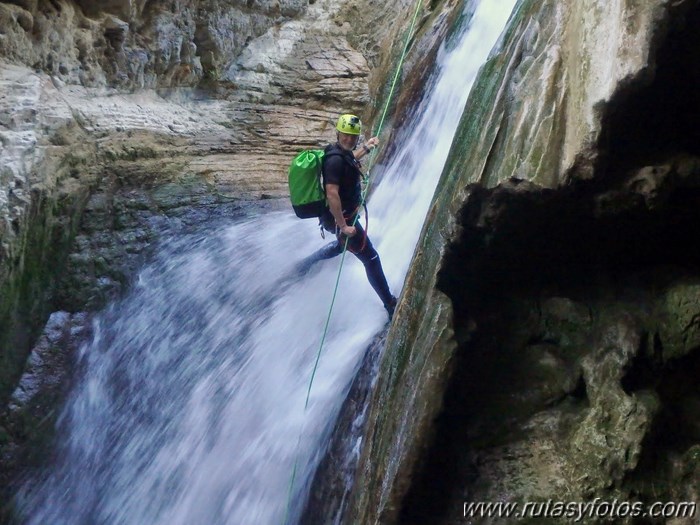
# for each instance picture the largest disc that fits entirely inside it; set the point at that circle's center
(332, 249)
(361, 246)
(376, 277)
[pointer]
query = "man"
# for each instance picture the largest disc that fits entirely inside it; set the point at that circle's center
(342, 182)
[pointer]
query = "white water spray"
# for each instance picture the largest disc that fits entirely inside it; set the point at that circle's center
(191, 397)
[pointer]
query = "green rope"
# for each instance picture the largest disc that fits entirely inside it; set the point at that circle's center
(398, 68)
(342, 259)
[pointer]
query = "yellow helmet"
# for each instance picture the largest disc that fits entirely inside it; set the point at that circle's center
(349, 124)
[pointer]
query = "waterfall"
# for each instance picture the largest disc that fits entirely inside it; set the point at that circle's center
(188, 407)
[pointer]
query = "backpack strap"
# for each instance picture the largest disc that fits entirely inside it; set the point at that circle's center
(334, 151)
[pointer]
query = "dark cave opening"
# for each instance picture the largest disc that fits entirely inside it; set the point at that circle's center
(562, 249)
(551, 242)
(646, 367)
(679, 390)
(585, 241)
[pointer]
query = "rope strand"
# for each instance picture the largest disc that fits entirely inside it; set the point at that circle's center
(345, 246)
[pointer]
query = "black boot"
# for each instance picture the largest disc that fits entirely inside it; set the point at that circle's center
(375, 275)
(390, 307)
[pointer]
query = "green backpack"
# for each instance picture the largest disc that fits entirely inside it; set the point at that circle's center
(305, 188)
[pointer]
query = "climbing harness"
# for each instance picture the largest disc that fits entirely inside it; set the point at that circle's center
(409, 35)
(345, 239)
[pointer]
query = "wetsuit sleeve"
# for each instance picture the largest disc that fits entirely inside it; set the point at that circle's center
(332, 169)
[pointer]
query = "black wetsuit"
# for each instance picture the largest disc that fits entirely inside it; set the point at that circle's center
(340, 167)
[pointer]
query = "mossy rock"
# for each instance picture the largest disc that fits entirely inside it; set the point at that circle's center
(680, 328)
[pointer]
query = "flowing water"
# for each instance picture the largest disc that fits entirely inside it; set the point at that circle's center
(189, 405)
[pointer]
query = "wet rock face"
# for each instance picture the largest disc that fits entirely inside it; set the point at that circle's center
(31, 411)
(548, 329)
(327, 501)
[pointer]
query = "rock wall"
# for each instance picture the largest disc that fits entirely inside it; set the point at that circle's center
(545, 342)
(135, 44)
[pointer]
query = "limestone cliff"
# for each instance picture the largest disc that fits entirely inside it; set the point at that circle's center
(546, 344)
(135, 44)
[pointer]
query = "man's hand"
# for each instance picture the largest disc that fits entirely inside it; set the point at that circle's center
(367, 147)
(372, 143)
(333, 196)
(350, 231)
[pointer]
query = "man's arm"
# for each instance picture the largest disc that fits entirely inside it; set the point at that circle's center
(366, 148)
(333, 196)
